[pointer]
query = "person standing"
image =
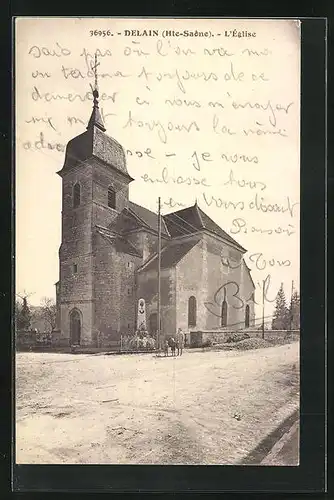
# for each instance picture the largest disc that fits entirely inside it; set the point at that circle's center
(166, 347)
(180, 342)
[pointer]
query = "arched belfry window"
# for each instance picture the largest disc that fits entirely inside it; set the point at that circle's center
(111, 198)
(192, 311)
(247, 316)
(76, 195)
(224, 313)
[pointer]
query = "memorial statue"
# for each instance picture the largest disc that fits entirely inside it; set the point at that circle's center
(141, 316)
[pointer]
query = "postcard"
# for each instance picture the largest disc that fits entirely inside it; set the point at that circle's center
(157, 166)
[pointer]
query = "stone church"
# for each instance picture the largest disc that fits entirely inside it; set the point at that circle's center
(108, 255)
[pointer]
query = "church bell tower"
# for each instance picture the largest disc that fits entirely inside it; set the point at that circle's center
(95, 189)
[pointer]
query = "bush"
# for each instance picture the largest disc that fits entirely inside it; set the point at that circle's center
(150, 345)
(236, 337)
(138, 343)
(247, 344)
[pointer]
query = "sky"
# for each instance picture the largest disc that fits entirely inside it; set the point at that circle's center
(212, 117)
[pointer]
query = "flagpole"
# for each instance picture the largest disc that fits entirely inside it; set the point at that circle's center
(159, 271)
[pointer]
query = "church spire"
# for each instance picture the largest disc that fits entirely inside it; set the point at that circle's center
(95, 117)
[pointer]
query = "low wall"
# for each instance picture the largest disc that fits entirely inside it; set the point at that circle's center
(107, 341)
(198, 338)
(274, 334)
(31, 341)
(26, 339)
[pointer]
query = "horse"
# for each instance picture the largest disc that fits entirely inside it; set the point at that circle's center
(172, 345)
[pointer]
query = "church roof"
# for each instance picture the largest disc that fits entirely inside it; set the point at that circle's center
(121, 243)
(95, 117)
(171, 255)
(95, 143)
(191, 220)
(149, 218)
(124, 246)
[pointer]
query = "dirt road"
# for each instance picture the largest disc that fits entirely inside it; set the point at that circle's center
(201, 408)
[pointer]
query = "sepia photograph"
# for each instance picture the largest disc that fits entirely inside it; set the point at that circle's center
(157, 213)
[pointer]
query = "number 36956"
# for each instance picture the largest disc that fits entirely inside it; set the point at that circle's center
(101, 33)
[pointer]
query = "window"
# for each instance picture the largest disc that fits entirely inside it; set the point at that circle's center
(129, 290)
(224, 313)
(192, 313)
(75, 268)
(111, 198)
(247, 316)
(76, 195)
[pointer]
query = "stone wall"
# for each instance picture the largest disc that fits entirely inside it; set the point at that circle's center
(103, 178)
(75, 254)
(210, 280)
(114, 289)
(223, 282)
(190, 281)
(227, 276)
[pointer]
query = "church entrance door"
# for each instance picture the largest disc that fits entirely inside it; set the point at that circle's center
(75, 327)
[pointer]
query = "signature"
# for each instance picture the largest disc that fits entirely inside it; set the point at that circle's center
(232, 288)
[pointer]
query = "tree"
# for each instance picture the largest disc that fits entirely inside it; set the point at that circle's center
(22, 314)
(18, 307)
(49, 312)
(281, 314)
(294, 311)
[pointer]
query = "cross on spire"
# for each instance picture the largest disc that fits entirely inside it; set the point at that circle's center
(96, 88)
(95, 118)
(95, 70)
